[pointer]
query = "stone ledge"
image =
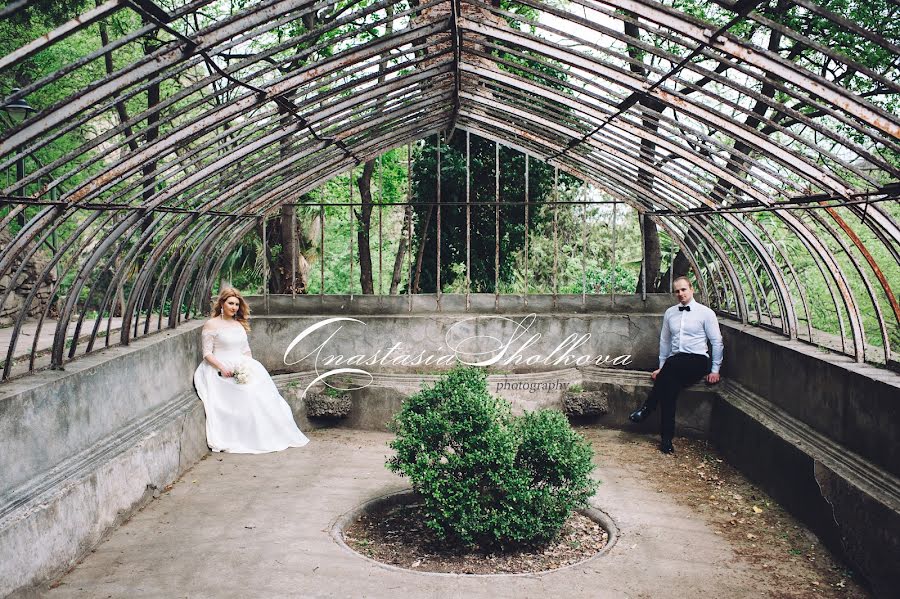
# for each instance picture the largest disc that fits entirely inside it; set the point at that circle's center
(618, 392)
(857, 470)
(457, 303)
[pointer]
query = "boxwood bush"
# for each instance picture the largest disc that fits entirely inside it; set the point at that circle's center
(487, 478)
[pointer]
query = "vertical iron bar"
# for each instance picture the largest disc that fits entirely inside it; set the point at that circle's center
(672, 269)
(322, 250)
(20, 174)
(583, 244)
(527, 161)
(496, 225)
(613, 260)
(409, 224)
(293, 252)
(352, 233)
(265, 249)
(643, 259)
(380, 219)
(468, 221)
(438, 192)
(555, 237)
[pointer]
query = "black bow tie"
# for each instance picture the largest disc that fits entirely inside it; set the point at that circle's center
(683, 308)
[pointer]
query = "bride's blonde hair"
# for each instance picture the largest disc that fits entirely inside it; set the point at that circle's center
(243, 313)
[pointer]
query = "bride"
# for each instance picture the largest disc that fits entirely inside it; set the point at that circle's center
(244, 411)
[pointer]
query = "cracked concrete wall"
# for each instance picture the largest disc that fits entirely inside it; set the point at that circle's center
(851, 505)
(869, 529)
(52, 415)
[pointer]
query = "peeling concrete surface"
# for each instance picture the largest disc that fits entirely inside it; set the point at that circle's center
(258, 526)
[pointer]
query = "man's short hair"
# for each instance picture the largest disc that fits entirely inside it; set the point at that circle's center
(682, 277)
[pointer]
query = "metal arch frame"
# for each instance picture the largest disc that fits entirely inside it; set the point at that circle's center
(849, 298)
(124, 79)
(584, 171)
(625, 183)
(671, 99)
(688, 191)
(54, 260)
(706, 73)
(762, 59)
(626, 127)
(867, 285)
(133, 163)
(686, 84)
(137, 160)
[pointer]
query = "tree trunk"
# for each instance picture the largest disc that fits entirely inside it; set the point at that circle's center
(364, 216)
(277, 281)
(291, 260)
(649, 107)
(679, 268)
(120, 106)
(652, 256)
(401, 251)
(737, 158)
(421, 253)
(151, 134)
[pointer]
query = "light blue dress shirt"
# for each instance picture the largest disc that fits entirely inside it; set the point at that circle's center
(687, 331)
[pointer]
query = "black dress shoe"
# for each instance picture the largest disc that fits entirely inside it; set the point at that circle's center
(640, 414)
(666, 447)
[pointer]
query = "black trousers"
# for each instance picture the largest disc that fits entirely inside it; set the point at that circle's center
(679, 371)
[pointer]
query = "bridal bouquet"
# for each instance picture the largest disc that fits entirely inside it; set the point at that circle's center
(242, 373)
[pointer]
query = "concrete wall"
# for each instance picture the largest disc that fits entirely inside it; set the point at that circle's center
(852, 504)
(52, 415)
(525, 338)
(81, 449)
(855, 405)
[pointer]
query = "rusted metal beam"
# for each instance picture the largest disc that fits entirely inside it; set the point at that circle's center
(60, 33)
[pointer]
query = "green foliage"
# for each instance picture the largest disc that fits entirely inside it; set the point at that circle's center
(486, 477)
(481, 191)
(243, 268)
(334, 392)
(585, 250)
(389, 185)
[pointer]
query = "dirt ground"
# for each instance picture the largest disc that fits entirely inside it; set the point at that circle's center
(760, 531)
(398, 536)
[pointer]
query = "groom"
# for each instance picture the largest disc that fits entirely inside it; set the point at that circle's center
(683, 357)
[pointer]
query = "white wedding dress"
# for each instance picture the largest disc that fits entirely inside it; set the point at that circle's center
(242, 418)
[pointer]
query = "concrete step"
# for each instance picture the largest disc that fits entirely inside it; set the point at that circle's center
(863, 474)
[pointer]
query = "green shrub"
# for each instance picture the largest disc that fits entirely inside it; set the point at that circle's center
(487, 478)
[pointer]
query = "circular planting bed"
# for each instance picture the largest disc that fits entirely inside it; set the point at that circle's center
(391, 530)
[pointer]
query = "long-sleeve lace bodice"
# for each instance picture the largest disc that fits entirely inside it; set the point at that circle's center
(224, 340)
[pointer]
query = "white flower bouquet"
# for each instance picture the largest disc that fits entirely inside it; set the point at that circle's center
(241, 373)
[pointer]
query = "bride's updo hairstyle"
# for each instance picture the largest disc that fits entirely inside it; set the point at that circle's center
(243, 313)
